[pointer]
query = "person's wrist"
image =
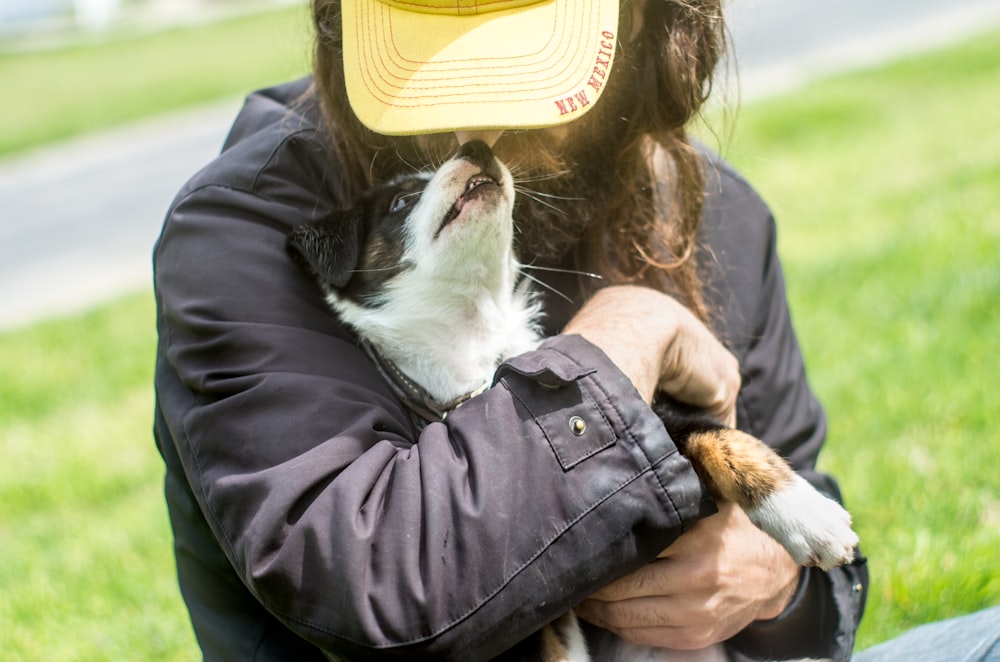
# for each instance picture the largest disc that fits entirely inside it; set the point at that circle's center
(788, 576)
(632, 326)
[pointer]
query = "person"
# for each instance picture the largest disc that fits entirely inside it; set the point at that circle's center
(972, 637)
(312, 520)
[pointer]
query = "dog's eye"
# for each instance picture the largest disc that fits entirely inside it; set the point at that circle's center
(401, 202)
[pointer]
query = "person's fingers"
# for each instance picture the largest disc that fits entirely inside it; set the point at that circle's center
(699, 370)
(658, 622)
(658, 578)
(659, 344)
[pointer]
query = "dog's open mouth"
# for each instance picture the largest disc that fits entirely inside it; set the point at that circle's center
(474, 188)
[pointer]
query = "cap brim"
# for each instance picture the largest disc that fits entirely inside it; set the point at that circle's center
(539, 65)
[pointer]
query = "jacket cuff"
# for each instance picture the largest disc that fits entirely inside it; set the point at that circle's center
(821, 620)
(583, 404)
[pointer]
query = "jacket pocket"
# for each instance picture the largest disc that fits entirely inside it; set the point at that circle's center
(551, 389)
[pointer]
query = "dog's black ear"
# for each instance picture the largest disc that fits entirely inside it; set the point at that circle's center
(329, 247)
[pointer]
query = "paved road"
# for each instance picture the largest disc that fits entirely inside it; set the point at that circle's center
(77, 221)
(782, 43)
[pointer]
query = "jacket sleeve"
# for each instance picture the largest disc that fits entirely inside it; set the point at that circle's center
(359, 533)
(777, 405)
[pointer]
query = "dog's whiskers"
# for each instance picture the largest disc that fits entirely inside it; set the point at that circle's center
(563, 271)
(545, 203)
(536, 170)
(406, 196)
(538, 176)
(540, 198)
(371, 271)
(539, 194)
(546, 286)
(402, 159)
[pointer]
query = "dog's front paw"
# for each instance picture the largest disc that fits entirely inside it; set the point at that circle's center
(814, 529)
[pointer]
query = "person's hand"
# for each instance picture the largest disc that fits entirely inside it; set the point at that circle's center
(660, 345)
(709, 585)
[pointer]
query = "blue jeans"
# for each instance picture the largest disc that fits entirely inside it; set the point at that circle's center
(971, 638)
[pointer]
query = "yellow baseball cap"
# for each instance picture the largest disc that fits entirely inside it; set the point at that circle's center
(426, 66)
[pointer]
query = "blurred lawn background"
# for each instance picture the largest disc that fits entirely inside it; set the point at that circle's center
(886, 186)
(88, 84)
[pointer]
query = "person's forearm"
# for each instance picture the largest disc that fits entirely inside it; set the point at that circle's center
(440, 548)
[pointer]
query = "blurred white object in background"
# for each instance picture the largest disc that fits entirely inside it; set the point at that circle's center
(95, 14)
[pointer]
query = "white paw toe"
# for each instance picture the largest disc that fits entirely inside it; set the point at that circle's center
(814, 529)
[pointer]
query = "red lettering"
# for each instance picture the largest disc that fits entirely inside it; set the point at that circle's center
(603, 59)
(595, 82)
(569, 104)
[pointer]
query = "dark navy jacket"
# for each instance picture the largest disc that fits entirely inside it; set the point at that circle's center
(311, 518)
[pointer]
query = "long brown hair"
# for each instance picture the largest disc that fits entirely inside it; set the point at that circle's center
(643, 228)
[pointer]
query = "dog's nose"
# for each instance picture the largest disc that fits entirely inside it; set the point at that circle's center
(477, 152)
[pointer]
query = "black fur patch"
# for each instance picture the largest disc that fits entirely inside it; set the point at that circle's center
(683, 420)
(357, 250)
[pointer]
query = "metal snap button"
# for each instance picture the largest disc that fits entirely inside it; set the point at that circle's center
(577, 425)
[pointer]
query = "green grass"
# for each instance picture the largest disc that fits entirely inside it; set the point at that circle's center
(56, 94)
(87, 570)
(886, 186)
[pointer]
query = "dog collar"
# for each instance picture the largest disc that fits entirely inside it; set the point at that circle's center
(425, 407)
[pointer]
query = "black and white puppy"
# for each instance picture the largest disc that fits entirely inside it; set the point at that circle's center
(423, 269)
